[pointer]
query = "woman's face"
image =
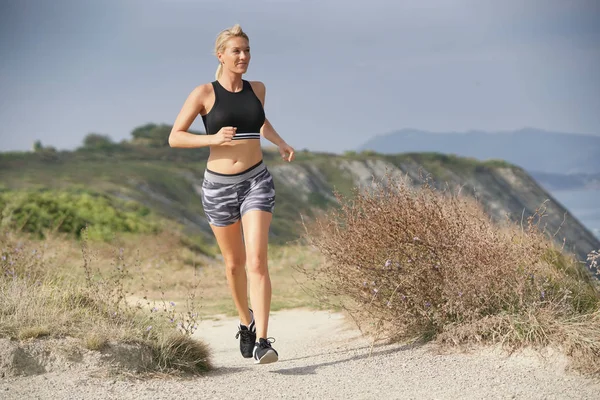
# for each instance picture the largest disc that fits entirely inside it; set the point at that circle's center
(236, 55)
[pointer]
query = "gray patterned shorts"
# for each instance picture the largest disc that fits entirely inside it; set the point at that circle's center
(226, 198)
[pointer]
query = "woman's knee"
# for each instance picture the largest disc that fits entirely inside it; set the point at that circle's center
(257, 264)
(234, 265)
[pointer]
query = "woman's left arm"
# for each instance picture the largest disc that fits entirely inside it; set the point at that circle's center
(267, 130)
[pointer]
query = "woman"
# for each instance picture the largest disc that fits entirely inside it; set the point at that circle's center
(238, 189)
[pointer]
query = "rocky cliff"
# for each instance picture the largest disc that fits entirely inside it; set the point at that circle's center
(503, 190)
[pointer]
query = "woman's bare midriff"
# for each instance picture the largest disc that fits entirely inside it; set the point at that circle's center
(234, 157)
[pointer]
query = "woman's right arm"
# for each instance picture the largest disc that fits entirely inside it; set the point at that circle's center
(180, 137)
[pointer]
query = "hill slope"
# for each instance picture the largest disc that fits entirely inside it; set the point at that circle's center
(168, 182)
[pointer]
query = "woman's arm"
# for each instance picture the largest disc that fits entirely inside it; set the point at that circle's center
(179, 137)
(271, 134)
(267, 130)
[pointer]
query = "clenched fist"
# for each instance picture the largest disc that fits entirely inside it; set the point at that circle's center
(225, 135)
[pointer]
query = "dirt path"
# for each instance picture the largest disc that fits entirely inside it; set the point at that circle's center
(323, 356)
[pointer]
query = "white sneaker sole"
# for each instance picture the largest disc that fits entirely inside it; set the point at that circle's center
(269, 357)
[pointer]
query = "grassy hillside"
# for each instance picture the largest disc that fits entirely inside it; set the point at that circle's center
(166, 181)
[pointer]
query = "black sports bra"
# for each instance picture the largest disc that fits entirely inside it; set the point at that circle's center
(242, 110)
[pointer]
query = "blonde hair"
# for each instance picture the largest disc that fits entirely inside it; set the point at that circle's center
(221, 42)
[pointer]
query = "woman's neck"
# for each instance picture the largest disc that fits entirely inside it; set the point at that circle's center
(231, 82)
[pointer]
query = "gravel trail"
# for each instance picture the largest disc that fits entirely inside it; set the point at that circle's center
(323, 356)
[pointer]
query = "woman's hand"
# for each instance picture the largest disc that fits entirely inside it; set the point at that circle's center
(286, 151)
(225, 135)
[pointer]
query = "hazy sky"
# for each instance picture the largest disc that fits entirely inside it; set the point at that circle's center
(337, 72)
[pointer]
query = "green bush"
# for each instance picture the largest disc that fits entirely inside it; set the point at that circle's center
(152, 135)
(98, 141)
(39, 211)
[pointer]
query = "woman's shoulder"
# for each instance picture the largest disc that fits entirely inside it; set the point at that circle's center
(259, 88)
(202, 92)
(201, 97)
(203, 89)
(257, 85)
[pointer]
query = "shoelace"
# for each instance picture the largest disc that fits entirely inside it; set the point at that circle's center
(267, 342)
(246, 335)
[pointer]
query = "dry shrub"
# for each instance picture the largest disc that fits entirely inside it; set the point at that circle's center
(95, 341)
(179, 352)
(423, 263)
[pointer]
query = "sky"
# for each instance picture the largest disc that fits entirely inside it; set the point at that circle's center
(337, 72)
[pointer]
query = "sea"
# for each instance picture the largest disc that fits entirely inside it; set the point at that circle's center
(583, 205)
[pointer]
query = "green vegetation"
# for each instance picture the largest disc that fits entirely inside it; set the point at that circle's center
(166, 181)
(339, 180)
(40, 211)
(152, 135)
(98, 141)
(318, 200)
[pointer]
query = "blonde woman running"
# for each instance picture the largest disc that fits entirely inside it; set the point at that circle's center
(238, 189)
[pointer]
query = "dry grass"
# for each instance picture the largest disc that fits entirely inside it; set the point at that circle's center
(160, 269)
(288, 286)
(136, 288)
(419, 263)
(37, 299)
(179, 352)
(95, 340)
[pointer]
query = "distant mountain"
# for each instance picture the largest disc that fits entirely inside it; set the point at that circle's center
(531, 149)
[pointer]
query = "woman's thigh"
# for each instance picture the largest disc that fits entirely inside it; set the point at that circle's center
(256, 225)
(230, 241)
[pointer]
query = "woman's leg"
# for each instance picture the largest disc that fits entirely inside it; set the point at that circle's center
(256, 234)
(229, 239)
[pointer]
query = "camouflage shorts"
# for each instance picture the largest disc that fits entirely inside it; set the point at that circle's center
(226, 198)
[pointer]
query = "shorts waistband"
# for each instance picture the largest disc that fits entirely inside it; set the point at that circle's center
(235, 178)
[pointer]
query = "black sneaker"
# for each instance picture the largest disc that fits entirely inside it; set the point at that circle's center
(264, 353)
(247, 335)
